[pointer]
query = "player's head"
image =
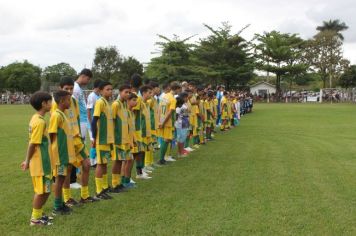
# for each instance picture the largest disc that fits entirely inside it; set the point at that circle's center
(176, 88)
(105, 88)
(166, 87)
(136, 81)
(41, 100)
(155, 87)
(67, 84)
(132, 100)
(125, 91)
(146, 92)
(62, 98)
(84, 76)
(184, 96)
(96, 84)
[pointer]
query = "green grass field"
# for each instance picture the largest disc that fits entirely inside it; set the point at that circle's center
(288, 169)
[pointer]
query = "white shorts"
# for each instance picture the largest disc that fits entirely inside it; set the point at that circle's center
(84, 131)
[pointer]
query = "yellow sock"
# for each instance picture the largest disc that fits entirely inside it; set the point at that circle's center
(66, 194)
(36, 213)
(147, 158)
(105, 181)
(168, 150)
(116, 180)
(84, 192)
(99, 185)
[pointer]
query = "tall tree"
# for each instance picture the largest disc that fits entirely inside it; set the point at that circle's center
(325, 54)
(174, 60)
(333, 25)
(348, 79)
(106, 64)
(55, 72)
(224, 56)
(22, 76)
(279, 54)
(130, 66)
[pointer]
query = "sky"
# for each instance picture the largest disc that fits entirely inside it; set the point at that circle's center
(52, 31)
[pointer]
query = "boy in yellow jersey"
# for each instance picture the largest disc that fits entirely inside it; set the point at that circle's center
(229, 112)
(194, 117)
(146, 92)
(131, 103)
(215, 102)
(187, 145)
(121, 154)
(224, 112)
(81, 153)
(202, 116)
(167, 109)
(62, 147)
(38, 158)
(103, 131)
(153, 105)
(210, 117)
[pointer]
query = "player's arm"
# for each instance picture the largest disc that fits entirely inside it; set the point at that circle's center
(30, 151)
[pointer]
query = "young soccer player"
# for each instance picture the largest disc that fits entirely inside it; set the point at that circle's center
(121, 153)
(166, 122)
(62, 146)
(92, 98)
(38, 157)
(224, 112)
(182, 123)
(187, 145)
(103, 131)
(81, 153)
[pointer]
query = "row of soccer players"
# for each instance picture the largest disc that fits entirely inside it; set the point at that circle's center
(125, 131)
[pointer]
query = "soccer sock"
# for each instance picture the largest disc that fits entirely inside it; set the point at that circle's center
(66, 194)
(169, 147)
(147, 158)
(163, 150)
(115, 180)
(84, 192)
(123, 179)
(58, 202)
(151, 157)
(105, 181)
(36, 214)
(99, 185)
(187, 142)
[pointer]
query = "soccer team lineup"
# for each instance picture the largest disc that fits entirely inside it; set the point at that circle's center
(84, 134)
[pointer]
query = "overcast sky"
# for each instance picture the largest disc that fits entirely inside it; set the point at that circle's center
(51, 31)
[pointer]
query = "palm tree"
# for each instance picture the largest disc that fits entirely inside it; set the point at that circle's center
(333, 25)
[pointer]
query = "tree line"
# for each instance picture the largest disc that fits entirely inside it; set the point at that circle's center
(223, 57)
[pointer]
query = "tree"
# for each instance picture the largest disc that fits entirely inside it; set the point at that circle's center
(280, 54)
(54, 73)
(22, 76)
(224, 56)
(333, 25)
(348, 79)
(106, 64)
(324, 52)
(174, 61)
(130, 66)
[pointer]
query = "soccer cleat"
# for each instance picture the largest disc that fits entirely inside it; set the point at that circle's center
(147, 171)
(63, 210)
(169, 158)
(103, 196)
(47, 218)
(71, 203)
(129, 185)
(196, 146)
(162, 162)
(89, 200)
(107, 190)
(142, 176)
(40, 222)
(132, 181)
(189, 149)
(118, 189)
(150, 168)
(75, 186)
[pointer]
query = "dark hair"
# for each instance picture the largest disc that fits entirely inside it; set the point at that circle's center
(183, 95)
(188, 91)
(103, 84)
(175, 86)
(145, 88)
(166, 85)
(86, 72)
(124, 86)
(180, 101)
(200, 88)
(97, 83)
(38, 97)
(210, 93)
(154, 84)
(59, 95)
(136, 81)
(132, 96)
(67, 80)
(225, 93)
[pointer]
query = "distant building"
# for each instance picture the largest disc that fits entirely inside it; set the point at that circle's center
(262, 89)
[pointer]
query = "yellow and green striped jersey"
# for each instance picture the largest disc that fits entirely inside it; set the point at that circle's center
(167, 103)
(121, 126)
(105, 130)
(63, 146)
(146, 120)
(41, 162)
(153, 104)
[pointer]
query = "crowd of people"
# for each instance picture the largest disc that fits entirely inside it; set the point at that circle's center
(14, 98)
(145, 118)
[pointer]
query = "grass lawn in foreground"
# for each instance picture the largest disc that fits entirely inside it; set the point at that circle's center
(287, 169)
